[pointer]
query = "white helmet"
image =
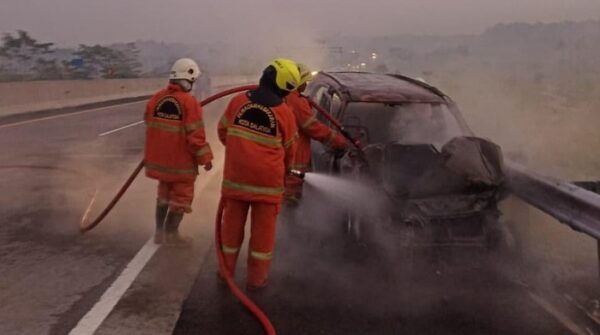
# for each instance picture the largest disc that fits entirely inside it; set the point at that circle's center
(185, 68)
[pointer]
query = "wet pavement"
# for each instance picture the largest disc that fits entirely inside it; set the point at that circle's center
(51, 275)
(322, 285)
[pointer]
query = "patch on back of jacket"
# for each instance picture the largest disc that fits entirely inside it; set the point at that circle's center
(168, 108)
(258, 118)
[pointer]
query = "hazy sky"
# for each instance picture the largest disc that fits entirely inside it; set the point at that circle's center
(69, 22)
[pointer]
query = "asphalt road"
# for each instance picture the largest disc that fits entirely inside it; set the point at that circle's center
(320, 285)
(52, 277)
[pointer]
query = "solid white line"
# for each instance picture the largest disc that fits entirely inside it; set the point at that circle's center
(94, 318)
(565, 320)
(121, 128)
(66, 114)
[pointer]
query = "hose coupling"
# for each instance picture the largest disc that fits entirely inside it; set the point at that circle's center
(297, 173)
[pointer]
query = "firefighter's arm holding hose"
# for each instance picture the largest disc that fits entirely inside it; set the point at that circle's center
(196, 135)
(316, 130)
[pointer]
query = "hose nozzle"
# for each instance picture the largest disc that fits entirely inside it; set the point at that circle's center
(297, 173)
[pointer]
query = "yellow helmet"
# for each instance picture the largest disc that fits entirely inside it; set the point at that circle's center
(287, 76)
(306, 74)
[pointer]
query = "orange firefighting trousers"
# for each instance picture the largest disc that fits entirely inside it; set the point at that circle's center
(262, 237)
(178, 196)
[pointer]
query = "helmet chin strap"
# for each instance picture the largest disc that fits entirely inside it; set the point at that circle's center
(186, 85)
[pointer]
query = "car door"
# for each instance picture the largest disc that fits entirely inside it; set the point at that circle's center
(323, 158)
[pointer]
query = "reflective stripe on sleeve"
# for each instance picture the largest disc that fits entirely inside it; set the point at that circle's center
(331, 137)
(275, 142)
(164, 169)
(205, 150)
(193, 126)
(308, 122)
(262, 256)
(253, 188)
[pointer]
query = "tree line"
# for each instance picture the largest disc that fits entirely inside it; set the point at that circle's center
(24, 58)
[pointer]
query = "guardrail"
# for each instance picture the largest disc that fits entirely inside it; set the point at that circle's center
(574, 204)
(31, 96)
(567, 202)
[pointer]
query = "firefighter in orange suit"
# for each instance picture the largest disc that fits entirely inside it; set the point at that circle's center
(175, 146)
(308, 128)
(259, 132)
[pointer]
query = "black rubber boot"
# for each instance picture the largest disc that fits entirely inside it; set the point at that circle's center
(172, 237)
(161, 215)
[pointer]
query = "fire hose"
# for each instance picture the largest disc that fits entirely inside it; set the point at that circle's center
(235, 290)
(336, 124)
(360, 154)
(85, 226)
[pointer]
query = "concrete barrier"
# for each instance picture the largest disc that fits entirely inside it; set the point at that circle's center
(31, 96)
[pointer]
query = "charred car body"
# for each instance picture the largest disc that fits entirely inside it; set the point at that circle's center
(441, 183)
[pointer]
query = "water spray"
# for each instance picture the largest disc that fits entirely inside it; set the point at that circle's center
(86, 226)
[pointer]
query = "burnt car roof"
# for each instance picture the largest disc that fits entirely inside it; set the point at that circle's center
(387, 88)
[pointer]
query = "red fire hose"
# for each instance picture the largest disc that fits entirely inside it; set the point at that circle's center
(335, 123)
(235, 290)
(85, 226)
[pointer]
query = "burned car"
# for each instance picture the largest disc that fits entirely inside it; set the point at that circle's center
(441, 183)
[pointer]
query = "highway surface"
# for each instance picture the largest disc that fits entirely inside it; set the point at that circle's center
(114, 280)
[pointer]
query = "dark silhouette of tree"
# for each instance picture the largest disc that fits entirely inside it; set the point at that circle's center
(22, 56)
(99, 61)
(49, 70)
(129, 64)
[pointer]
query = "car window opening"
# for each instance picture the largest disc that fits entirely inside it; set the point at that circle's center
(407, 123)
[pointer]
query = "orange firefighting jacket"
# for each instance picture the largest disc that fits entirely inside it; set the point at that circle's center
(175, 138)
(259, 149)
(310, 128)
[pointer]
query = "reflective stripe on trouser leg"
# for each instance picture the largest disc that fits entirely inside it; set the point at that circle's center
(181, 197)
(232, 230)
(178, 196)
(262, 242)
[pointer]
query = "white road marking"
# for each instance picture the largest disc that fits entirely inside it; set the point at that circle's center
(66, 114)
(565, 320)
(582, 308)
(120, 128)
(94, 318)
